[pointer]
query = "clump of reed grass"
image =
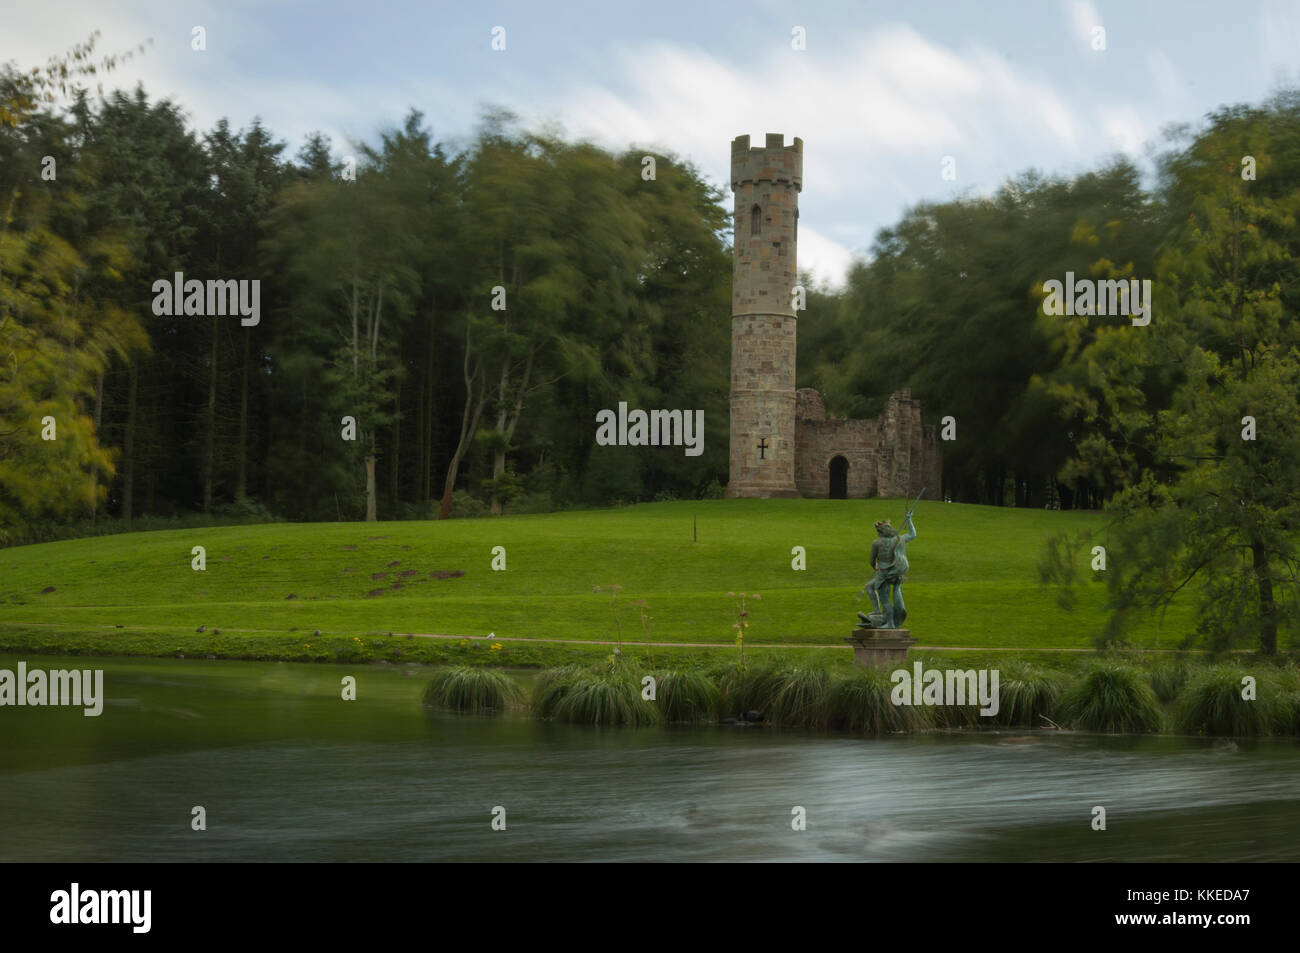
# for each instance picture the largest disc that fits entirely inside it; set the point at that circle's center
(1111, 697)
(1211, 704)
(1167, 678)
(602, 698)
(548, 677)
(476, 691)
(752, 687)
(861, 702)
(942, 714)
(958, 716)
(686, 696)
(1288, 687)
(800, 698)
(1027, 694)
(551, 685)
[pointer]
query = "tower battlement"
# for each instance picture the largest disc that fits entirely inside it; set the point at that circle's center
(772, 162)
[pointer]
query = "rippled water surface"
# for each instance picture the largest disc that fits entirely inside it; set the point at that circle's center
(287, 770)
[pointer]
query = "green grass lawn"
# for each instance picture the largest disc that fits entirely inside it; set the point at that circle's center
(973, 580)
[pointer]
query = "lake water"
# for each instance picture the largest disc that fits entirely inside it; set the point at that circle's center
(288, 771)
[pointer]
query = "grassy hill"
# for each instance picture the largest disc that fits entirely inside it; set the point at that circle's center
(973, 580)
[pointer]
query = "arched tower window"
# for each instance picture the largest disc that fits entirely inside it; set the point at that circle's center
(796, 224)
(755, 220)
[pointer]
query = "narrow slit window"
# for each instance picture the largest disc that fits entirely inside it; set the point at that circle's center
(755, 220)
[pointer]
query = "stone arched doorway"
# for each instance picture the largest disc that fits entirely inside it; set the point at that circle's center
(839, 478)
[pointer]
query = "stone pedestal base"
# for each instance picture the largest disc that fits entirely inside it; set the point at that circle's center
(875, 648)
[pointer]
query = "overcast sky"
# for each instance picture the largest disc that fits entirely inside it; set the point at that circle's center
(882, 92)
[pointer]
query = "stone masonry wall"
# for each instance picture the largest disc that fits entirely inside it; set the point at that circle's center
(820, 441)
(892, 455)
(762, 405)
(763, 321)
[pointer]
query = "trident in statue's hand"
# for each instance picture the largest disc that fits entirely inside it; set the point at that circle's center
(912, 509)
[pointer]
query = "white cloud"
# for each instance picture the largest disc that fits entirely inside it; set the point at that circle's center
(1084, 18)
(207, 84)
(827, 259)
(877, 109)
(894, 94)
(1124, 129)
(869, 117)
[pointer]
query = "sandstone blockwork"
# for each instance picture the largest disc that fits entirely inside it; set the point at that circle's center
(892, 455)
(766, 184)
(782, 443)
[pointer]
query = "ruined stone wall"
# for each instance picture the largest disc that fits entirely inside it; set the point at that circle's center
(809, 404)
(892, 455)
(894, 462)
(932, 453)
(820, 441)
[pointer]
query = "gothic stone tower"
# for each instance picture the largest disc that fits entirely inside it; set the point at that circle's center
(766, 183)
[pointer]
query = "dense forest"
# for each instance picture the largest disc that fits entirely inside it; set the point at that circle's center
(451, 312)
(463, 313)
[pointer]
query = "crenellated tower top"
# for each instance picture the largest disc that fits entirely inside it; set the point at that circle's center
(772, 162)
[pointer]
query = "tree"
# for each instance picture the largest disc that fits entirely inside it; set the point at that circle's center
(57, 334)
(350, 250)
(951, 307)
(152, 182)
(246, 175)
(1215, 511)
(556, 247)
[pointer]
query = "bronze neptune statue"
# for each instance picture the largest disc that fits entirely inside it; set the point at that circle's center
(889, 560)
